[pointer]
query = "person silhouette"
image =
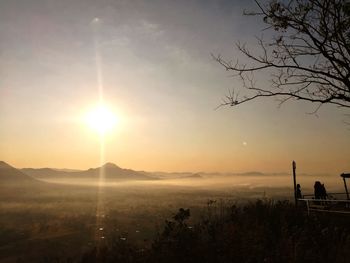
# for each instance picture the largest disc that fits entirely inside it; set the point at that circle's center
(298, 192)
(318, 190)
(323, 192)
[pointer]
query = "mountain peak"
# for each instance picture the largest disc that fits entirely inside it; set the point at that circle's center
(110, 165)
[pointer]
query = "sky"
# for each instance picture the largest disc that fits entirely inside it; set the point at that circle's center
(151, 61)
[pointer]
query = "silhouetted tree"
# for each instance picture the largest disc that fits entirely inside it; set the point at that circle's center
(307, 57)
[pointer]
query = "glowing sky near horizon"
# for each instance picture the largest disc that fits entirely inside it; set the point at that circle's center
(159, 76)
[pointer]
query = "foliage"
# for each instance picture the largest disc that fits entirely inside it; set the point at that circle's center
(264, 231)
(307, 57)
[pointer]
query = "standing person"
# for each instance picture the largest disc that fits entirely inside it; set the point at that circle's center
(323, 192)
(299, 195)
(317, 190)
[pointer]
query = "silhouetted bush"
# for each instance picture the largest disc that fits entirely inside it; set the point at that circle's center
(264, 231)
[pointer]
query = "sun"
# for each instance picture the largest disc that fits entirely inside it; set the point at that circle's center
(101, 119)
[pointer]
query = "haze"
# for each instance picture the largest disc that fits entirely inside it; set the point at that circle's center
(151, 64)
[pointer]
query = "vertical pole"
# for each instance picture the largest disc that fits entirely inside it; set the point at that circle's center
(295, 182)
(346, 188)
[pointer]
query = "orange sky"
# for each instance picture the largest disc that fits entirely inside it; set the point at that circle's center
(155, 72)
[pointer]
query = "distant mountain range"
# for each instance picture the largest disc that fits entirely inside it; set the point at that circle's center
(109, 170)
(176, 175)
(42, 173)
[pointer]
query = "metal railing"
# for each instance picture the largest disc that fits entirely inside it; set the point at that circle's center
(330, 195)
(327, 205)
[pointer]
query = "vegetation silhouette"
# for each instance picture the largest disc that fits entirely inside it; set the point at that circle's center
(261, 231)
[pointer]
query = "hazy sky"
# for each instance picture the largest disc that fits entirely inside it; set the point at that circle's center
(158, 76)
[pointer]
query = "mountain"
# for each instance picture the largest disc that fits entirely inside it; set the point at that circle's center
(42, 173)
(110, 170)
(176, 175)
(196, 175)
(252, 173)
(65, 170)
(11, 175)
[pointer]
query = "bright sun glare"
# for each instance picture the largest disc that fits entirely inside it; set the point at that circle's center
(101, 119)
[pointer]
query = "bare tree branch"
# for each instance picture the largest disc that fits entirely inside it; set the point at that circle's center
(308, 58)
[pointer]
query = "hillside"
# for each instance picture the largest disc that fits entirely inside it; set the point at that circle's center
(9, 174)
(44, 173)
